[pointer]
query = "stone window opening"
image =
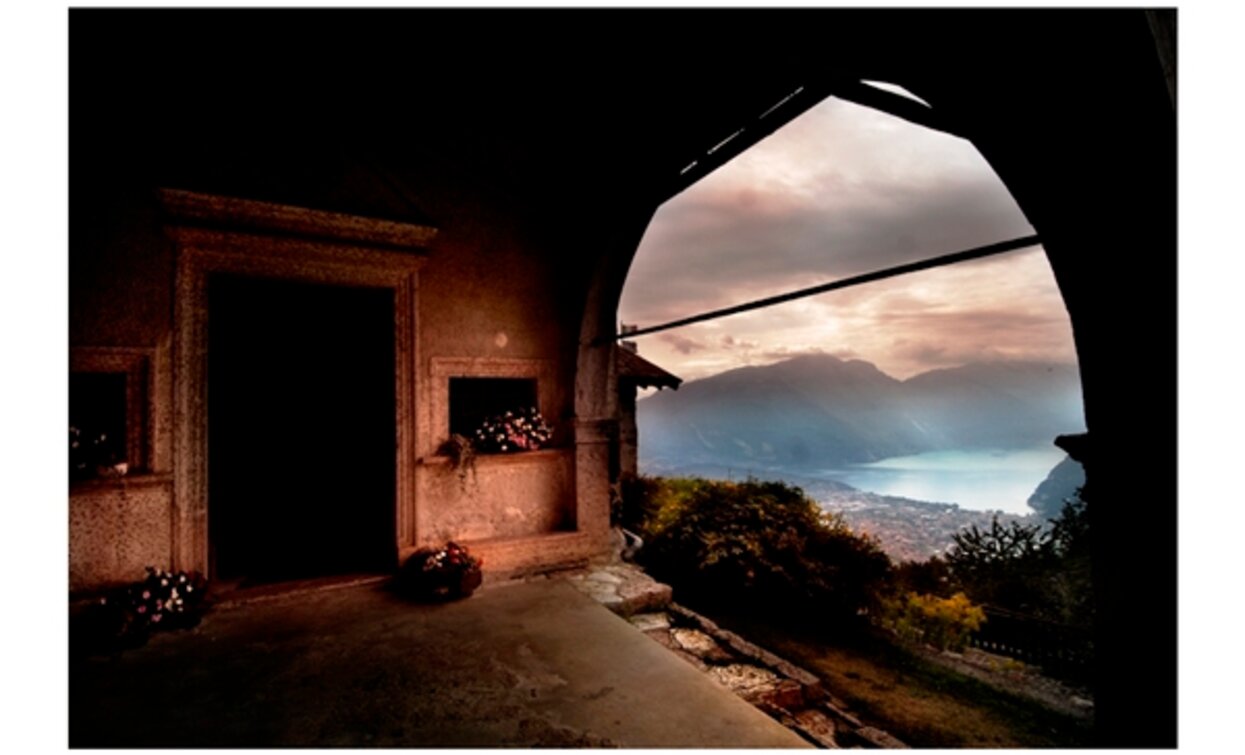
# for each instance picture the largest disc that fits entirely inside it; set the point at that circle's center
(476, 399)
(108, 412)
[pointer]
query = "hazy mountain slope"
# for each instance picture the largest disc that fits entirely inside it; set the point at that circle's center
(996, 404)
(819, 411)
(1060, 485)
(795, 413)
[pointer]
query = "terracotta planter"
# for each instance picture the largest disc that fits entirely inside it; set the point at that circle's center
(438, 583)
(449, 587)
(469, 582)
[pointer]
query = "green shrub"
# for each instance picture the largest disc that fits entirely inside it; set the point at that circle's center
(945, 623)
(759, 544)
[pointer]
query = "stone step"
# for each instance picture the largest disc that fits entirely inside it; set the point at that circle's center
(815, 726)
(788, 693)
(623, 589)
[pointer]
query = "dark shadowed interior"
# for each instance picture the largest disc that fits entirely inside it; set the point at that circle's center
(301, 429)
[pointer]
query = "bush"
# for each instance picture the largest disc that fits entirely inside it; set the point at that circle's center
(759, 544)
(945, 623)
(931, 576)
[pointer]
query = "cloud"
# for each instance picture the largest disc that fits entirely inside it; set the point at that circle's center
(743, 344)
(783, 353)
(682, 344)
(841, 191)
(678, 272)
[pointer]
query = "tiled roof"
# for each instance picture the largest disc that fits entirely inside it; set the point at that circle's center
(643, 373)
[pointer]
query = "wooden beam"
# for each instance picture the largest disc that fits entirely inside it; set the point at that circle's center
(856, 280)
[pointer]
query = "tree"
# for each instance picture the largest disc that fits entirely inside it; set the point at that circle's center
(1027, 568)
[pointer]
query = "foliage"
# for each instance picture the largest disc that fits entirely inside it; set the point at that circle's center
(931, 576)
(763, 544)
(1071, 587)
(1005, 565)
(127, 616)
(514, 430)
(1041, 572)
(462, 453)
(92, 454)
(440, 573)
(945, 623)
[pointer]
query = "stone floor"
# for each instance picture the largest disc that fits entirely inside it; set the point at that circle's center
(785, 692)
(524, 665)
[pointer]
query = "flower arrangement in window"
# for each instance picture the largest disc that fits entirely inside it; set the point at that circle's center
(515, 430)
(93, 454)
(127, 616)
(441, 574)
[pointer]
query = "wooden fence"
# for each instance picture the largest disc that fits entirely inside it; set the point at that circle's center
(1061, 650)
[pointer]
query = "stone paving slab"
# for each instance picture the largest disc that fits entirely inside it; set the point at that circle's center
(521, 665)
(622, 588)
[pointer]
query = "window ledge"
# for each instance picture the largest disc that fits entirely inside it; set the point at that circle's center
(137, 480)
(500, 459)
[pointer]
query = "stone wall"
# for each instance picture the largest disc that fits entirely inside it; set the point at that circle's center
(498, 496)
(116, 529)
(487, 294)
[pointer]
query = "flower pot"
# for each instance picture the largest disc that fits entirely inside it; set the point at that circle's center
(470, 580)
(438, 575)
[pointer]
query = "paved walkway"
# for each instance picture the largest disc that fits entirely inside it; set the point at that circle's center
(525, 665)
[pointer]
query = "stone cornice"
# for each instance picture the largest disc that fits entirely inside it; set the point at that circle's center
(192, 208)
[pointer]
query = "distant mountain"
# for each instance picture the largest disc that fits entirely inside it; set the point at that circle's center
(1061, 484)
(818, 411)
(996, 404)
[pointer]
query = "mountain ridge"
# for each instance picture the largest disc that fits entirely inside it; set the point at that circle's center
(817, 411)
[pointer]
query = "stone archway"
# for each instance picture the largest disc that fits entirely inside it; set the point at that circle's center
(1092, 164)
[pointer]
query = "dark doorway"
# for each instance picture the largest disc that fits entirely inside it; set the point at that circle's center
(301, 429)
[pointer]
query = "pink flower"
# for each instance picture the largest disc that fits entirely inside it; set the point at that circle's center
(146, 594)
(142, 609)
(155, 618)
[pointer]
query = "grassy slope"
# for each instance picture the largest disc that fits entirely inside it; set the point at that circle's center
(921, 704)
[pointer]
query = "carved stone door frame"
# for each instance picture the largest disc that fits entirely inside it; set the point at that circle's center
(225, 235)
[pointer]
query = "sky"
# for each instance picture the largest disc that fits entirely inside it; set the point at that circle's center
(839, 191)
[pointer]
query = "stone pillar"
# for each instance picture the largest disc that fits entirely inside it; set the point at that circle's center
(628, 433)
(593, 441)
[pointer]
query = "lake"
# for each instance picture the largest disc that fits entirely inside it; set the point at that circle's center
(979, 480)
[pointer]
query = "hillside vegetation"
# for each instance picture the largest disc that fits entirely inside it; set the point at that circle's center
(764, 558)
(759, 544)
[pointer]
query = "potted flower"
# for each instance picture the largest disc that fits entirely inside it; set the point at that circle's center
(441, 573)
(127, 616)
